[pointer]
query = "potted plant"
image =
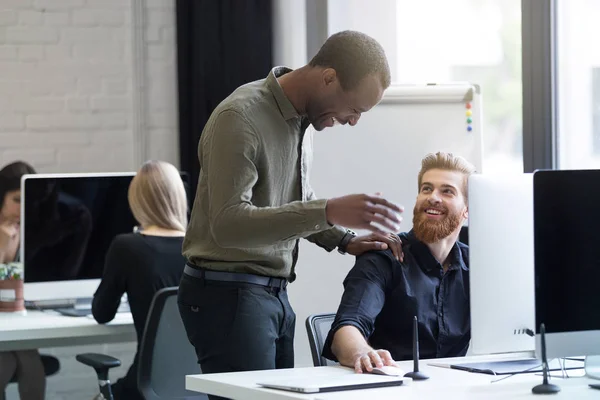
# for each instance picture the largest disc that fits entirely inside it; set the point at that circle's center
(11, 288)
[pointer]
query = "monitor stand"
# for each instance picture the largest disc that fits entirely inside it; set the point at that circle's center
(592, 367)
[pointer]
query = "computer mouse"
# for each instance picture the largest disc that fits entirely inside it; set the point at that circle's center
(388, 370)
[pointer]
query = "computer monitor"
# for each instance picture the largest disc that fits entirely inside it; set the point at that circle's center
(68, 222)
(501, 263)
(567, 261)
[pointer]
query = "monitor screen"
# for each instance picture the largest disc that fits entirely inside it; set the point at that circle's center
(567, 250)
(70, 221)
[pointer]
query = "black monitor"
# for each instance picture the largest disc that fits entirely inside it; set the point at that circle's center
(68, 223)
(567, 260)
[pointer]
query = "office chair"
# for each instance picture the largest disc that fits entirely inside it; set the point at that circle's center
(165, 355)
(317, 327)
(51, 367)
(463, 236)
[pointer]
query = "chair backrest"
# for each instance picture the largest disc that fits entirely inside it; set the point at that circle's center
(166, 355)
(317, 327)
(463, 236)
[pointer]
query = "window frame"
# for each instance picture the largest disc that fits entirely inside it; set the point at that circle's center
(540, 142)
(538, 52)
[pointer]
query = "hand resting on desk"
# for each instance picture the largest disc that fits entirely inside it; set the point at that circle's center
(352, 350)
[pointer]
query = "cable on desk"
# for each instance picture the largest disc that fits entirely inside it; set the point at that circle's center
(563, 368)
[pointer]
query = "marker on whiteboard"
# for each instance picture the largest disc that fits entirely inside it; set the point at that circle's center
(469, 113)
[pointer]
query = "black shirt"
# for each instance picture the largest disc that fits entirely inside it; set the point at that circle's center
(138, 265)
(382, 296)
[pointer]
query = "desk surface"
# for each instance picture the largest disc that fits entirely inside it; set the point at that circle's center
(39, 329)
(443, 383)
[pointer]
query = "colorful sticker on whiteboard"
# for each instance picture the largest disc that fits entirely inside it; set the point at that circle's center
(469, 114)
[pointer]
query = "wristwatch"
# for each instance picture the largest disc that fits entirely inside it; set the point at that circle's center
(345, 240)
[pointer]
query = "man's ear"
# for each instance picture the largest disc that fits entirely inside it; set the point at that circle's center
(466, 213)
(329, 76)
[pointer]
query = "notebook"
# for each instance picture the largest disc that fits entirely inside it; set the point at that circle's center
(322, 384)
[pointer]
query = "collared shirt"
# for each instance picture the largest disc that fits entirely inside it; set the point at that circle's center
(382, 296)
(254, 200)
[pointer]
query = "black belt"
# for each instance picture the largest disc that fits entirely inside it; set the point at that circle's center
(222, 276)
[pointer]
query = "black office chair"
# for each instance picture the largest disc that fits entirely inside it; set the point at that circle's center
(463, 236)
(317, 327)
(165, 356)
(51, 367)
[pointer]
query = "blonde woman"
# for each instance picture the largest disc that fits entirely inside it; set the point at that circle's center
(143, 262)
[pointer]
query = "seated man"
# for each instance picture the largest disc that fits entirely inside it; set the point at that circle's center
(373, 325)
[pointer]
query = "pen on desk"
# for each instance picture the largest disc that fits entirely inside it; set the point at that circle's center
(440, 365)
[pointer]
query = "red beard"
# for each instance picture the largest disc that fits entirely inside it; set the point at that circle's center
(430, 231)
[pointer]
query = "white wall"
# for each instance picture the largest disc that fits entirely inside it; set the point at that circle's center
(378, 21)
(81, 89)
(289, 33)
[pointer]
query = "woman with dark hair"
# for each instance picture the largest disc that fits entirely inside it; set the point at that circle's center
(10, 208)
(25, 364)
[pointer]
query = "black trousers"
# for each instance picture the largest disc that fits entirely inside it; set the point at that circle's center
(237, 326)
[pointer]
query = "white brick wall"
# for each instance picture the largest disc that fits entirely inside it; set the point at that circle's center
(161, 81)
(66, 84)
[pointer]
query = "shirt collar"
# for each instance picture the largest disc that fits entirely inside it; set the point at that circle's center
(285, 105)
(427, 261)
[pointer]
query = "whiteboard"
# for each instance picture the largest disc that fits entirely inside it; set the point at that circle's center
(382, 153)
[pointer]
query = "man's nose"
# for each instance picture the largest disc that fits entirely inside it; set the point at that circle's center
(354, 120)
(434, 198)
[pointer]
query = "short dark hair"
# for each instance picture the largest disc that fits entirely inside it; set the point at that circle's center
(353, 55)
(10, 177)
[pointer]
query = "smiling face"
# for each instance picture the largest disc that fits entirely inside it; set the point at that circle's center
(11, 207)
(441, 207)
(332, 104)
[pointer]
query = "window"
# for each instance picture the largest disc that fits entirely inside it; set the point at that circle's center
(578, 84)
(460, 40)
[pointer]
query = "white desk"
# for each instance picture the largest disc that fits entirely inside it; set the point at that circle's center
(443, 383)
(42, 329)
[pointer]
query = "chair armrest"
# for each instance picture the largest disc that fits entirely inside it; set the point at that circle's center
(98, 361)
(101, 364)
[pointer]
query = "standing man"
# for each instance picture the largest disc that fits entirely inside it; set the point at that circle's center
(254, 203)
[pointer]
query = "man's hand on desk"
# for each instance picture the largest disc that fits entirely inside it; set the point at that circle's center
(376, 241)
(352, 350)
(366, 361)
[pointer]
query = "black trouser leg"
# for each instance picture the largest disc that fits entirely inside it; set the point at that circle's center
(285, 343)
(237, 327)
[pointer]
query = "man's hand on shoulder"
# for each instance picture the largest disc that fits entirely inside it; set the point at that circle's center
(367, 360)
(376, 241)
